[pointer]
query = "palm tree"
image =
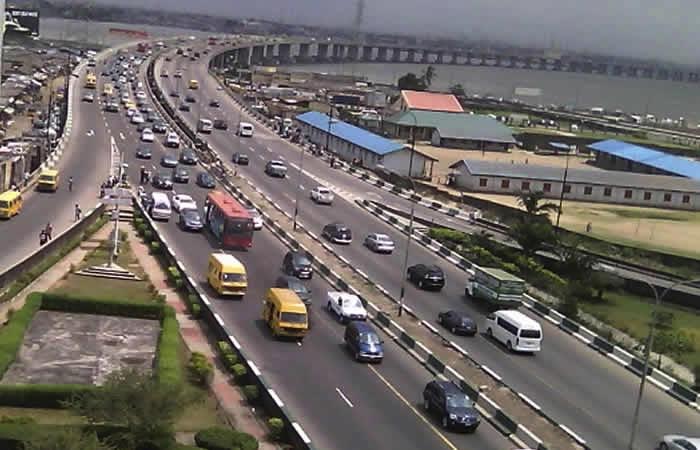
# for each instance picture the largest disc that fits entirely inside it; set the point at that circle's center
(532, 203)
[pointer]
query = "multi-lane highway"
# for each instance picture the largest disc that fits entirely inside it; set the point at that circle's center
(341, 404)
(588, 393)
(86, 159)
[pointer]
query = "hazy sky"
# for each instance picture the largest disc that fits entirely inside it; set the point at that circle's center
(658, 29)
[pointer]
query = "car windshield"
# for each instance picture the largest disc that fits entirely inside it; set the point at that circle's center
(296, 286)
(384, 239)
(233, 277)
(352, 303)
(342, 229)
(369, 338)
(459, 401)
(301, 260)
(293, 317)
(191, 214)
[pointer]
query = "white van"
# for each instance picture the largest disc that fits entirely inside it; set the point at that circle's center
(515, 330)
(245, 129)
(205, 126)
(160, 206)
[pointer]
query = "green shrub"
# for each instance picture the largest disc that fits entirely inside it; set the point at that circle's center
(168, 362)
(179, 284)
(239, 372)
(107, 307)
(148, 235)
(179, 446)
(40, 395)
(18, 420)
(230, 360)
(200, 369)
(173, 273)
(251, 392)
(196, 311)
(161, 299)
(14, 435)
(224, 348)
(12, 333)
(276, 427)
(155, 247)
(220, 438)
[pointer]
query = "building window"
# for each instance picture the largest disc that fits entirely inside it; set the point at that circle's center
(483, 182)
(628, 193)
(505, 184)
(667, 197)
(607, 191)
(587, 190)
(647, 196)
(567, 188)
(547, 187)
(686, 198)
(525, 186)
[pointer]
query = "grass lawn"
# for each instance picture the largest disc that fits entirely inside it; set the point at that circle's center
(631, 314)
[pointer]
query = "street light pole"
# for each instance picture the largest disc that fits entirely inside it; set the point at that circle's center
(647, 352)
(410, 222)
(296, 200)
(563, 191)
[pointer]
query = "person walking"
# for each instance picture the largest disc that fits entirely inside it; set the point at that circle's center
(70, 184)
(78, 212)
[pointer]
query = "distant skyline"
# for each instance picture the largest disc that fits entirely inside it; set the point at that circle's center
(646, 29)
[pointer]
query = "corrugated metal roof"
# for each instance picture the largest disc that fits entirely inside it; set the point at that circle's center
(456, 126)
(350, 133)
(431, 101)
(659, 160)
(579, 176)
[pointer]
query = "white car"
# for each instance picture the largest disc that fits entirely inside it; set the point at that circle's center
(141, 95)
(137, 118)
(346, 306)
(164, 74)
(147, 135)
(322, 195)
(379, 243)
(257, 218)
(172, 140)
(678, 442)
(131, 112)
(89, 97)
(178, 74)
(183, 201)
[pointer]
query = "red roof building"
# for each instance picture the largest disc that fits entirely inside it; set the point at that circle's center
(428, 101)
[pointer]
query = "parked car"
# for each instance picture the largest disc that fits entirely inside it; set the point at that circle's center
(345, 306)
(188, 156)
(294, 284)
(454, 408)
(220, 124)
(144, 153)
(276, 168)
(172, 140)
(205, 180)
(241, 159)
(426, 276)
(322, 195)
(181, 174)
(678, 442)
(298, 264)
(363, 342)
(168, 161)
(257, 218)
(183, 201)
(379, 243)
(457, 322)
(162, 180)
(337, 233)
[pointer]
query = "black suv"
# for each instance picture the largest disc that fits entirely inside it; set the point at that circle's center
(454, 408)
(220, 124)
(457, 322)
(241, 159)
(426, 276)
(299, 288)
(337, 233)
(181, 175)
(188, 156)
(298, 264)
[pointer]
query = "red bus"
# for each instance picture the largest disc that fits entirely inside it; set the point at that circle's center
(228, 221)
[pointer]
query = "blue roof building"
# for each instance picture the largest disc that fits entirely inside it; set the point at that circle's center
(618, 155)
(349, 143)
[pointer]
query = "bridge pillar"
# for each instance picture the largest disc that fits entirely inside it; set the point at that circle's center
(395, 54)
(411, 56)
(304, 51)
(353, 52)
(425, 57)
(382, 54)
(258, 54)
(367, 53)
(322, 52)
(243, 58)
(284, 52)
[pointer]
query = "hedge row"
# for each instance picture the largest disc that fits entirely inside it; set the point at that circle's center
(40, 395)
(12, 334)
(14, 436)
(168, 365)
(220, 438)
(110, 307)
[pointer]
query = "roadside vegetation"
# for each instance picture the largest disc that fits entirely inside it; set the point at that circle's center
(572, 280)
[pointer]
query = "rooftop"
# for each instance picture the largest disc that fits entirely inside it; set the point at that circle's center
(456, 126)
(579, 176)
(677, 165)
(431, 101)
(350, 133)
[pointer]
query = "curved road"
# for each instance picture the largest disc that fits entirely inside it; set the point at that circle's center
(581, 389)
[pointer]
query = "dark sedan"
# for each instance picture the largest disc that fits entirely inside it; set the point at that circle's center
(220, 124)
(205, 180)
(190, 220)
(144, 153)
(426, 276)
(168, 161)
(160, 127)
(174, 94)
(188, 156)
(163, 180)
(457, 322)
(190, 99)
(214, 104)
(181, 175)
(184, 107)
(299, 288)
(111, 107)
(241, 159)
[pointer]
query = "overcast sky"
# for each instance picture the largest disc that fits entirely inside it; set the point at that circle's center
(658, 29)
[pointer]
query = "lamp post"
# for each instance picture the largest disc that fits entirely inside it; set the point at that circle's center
(296, 200)
(410, 220)
(563, 191)
(647, 352)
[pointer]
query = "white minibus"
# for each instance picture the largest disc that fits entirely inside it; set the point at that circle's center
(515, 330)
(205, 126)
(245, 129)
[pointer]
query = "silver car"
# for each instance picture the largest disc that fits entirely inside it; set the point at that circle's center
(678, 442)
(257, 218)
(322, 195)
(276, 168)
(379, 243)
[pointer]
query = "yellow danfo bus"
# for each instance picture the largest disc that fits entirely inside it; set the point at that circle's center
(90, 80)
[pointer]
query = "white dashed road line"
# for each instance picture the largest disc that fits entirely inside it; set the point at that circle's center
(344, 397)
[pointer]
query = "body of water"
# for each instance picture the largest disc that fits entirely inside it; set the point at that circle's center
(632, 95)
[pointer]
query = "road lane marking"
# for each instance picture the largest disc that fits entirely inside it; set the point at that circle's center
(261, 157)
(347, 400)
(432, 427)
(251, 149)
(121, 136)
(301, 186)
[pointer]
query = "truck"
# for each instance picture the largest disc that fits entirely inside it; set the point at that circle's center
(498, 288)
